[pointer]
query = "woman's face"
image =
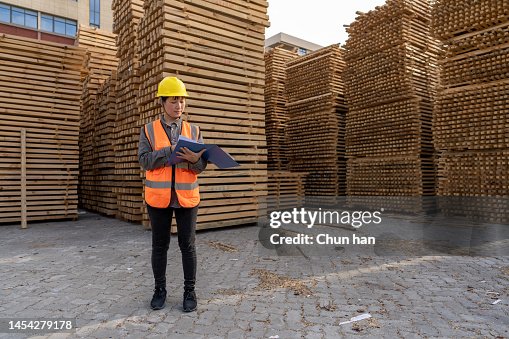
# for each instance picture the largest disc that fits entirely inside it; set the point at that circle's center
(174, 106)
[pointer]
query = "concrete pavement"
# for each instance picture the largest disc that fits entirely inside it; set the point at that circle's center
(97, 270)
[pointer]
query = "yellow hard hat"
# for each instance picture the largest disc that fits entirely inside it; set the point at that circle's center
(171, 87)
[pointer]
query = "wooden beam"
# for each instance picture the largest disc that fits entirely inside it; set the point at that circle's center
(23, 180)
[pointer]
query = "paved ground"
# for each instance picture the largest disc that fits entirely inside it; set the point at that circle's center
(97, 271)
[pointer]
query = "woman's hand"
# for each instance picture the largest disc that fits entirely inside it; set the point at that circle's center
(189, 155)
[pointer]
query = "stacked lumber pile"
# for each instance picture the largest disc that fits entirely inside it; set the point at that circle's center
(276, 115)
(316, 126)
(217, 49)
(128, 188)
(104, 161)
(286, 189)
(40, 90)
(100, 63)
(470, 118)
(87, 184)
(390, 80)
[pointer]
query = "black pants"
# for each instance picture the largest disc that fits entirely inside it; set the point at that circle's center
(161, 219)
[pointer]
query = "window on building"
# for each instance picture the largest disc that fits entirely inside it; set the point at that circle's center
(55, 24)
(302, 51)
(5, 13)
(95, 13)
(18, 16)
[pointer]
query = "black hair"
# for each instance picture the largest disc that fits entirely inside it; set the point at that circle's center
(163, 99)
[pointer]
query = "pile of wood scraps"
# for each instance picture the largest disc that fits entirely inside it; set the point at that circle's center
(40, 92)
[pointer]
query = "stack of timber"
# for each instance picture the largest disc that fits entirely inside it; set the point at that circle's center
(40, 92)
(276, 115)
(390, 84)
(217, 49)
(104, 161)
(87, 184)
(286, 189)
(129, 187)
(470, 118)
(316, 126)
(100, 63)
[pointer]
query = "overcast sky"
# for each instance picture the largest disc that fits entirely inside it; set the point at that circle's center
(317, 21)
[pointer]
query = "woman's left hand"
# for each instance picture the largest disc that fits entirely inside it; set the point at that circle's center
(189, 155)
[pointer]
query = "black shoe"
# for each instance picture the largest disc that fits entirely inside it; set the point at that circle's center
(189, 303)
(159, 298)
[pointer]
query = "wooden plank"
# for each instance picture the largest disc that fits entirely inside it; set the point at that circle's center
(23, 180)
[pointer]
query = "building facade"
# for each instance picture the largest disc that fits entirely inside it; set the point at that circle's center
(55, 20)
(289, 42)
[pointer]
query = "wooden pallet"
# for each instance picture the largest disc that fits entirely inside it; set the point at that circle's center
(39, 141)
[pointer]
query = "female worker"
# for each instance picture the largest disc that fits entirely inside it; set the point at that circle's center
(171, 189)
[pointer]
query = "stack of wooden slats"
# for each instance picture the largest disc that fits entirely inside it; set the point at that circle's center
(285, 189)
(471, 115)
(316, 126)
(276, 114)
(455, 18)
(100, 63)
(104, 161)
(101, 57)
(87, 184)
(126, 18)
(283, 186)
(217, 49)
(390, 80)
(39, 93)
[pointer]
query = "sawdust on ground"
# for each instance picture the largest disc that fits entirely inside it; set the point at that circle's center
(222, 246)
(270, 280)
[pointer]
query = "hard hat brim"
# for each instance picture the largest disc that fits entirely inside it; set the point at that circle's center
(172, 95)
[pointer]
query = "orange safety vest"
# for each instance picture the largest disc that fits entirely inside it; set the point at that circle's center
(158, 181)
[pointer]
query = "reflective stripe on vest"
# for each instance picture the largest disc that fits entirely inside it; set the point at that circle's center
(158, 181)
(167, 184)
